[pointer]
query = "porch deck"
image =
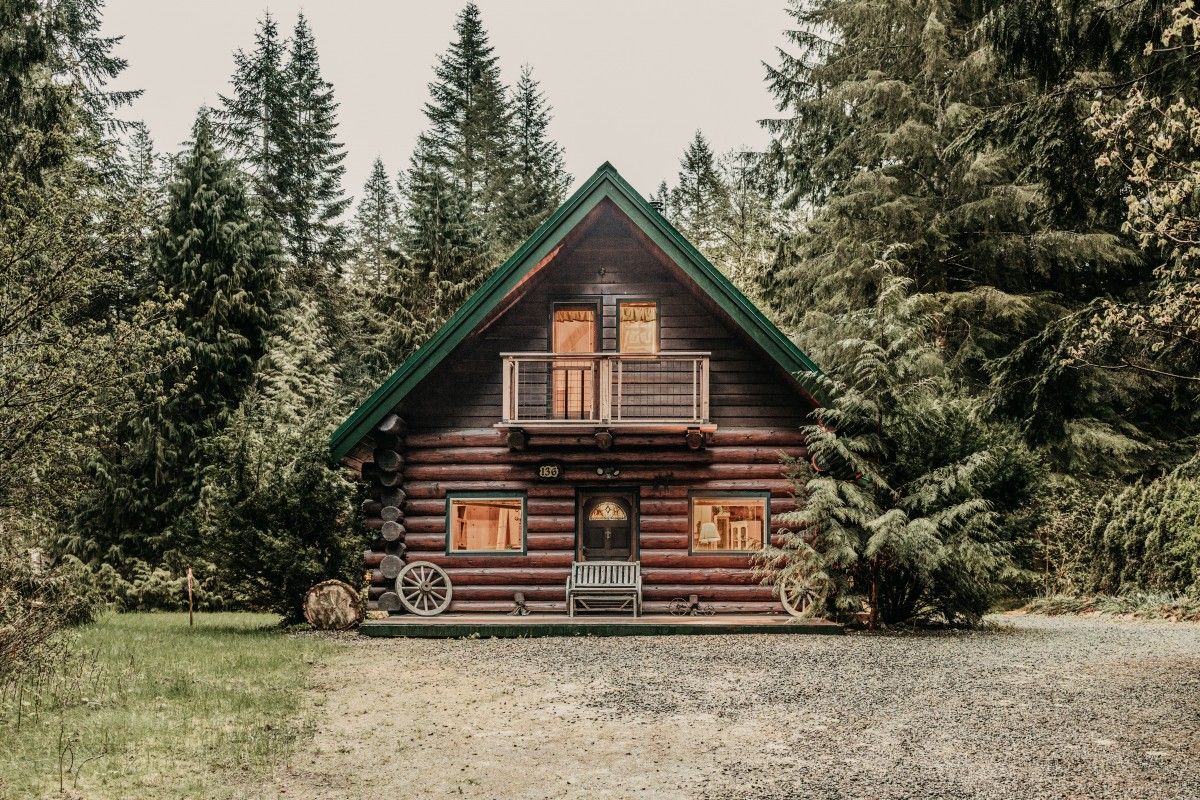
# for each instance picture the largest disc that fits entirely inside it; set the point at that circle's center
(454, 626)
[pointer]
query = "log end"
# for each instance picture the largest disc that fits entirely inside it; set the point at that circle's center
(333, 605)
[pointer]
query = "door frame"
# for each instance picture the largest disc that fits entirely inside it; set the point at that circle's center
(630, 494)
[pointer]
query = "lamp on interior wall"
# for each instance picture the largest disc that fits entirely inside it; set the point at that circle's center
(708, 533)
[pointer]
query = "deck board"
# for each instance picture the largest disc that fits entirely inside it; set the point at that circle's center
(453, 626)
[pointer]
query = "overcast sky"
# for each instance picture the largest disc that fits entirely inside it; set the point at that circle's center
(630, 80)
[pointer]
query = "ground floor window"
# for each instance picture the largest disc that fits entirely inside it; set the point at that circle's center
(491, 523)
(728, 523)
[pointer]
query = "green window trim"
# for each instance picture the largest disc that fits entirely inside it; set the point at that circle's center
(700, 494)
(452, 497)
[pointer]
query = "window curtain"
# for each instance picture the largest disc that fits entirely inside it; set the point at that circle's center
(574, 315)
(647, 312)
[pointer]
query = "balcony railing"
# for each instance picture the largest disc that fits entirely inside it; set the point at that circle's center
(558, 389)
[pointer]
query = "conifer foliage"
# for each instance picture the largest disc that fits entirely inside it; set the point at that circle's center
(218, 263)
(913, 499)
(281, 119)
(483, 174)
(540, 177)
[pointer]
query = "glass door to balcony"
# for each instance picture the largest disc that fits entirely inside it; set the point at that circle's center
(573, 381)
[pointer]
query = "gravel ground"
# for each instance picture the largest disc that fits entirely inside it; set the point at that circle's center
(1032, 707)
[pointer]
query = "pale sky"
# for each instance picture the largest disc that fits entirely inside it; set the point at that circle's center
(630, 80)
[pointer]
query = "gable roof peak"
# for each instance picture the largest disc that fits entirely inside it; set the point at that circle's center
(605, 183)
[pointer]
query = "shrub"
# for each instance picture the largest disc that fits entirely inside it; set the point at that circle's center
(1146, 538)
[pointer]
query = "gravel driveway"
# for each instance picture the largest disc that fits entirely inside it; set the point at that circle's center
(1033, 708)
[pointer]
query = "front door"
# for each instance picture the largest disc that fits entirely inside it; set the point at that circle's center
(607, 525)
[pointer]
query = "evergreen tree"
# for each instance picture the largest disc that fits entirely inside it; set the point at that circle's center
(53, 97)
(698, 201)
(889, 113)
(311, 196)
(442, 239)
(216, 257)
(751, 220)
(276, 518)
(470, 128)
(377, 229)
(136, 183)
(217, 263)
(540, 180)
(661, 197)
(256, 118)
(914, 505)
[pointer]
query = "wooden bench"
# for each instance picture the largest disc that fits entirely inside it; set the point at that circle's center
(605, 585)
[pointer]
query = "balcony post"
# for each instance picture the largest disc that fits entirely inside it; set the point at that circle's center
(605, 389)
(506, 390)
(704, 389)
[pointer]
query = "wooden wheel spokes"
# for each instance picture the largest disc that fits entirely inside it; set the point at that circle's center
(800, 596)
(424, 588)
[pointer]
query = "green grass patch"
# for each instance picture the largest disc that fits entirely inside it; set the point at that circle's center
(142, 706)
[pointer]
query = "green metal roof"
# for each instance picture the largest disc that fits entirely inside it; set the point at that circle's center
(605, 183)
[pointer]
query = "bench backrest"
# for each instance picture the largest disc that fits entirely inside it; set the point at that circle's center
(605, 573)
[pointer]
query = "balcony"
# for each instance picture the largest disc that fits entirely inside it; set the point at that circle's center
(586, 391)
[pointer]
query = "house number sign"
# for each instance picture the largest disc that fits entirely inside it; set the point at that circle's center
(549, 471)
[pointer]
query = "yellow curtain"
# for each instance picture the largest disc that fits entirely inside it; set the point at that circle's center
(642, 312)
(574, 315)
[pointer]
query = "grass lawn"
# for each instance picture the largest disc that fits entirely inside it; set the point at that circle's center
(149, 708)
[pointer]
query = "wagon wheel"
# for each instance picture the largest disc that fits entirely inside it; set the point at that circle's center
(799, 595)
(680, 607)
(424, 588)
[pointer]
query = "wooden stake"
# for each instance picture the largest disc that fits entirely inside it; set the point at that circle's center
(189, 597)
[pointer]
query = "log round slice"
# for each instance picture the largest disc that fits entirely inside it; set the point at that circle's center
(333, 606)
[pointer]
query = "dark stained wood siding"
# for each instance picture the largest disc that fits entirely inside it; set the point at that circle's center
(451, 445)
(746, 389)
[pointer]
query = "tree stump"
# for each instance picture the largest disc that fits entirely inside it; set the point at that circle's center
(333, 606)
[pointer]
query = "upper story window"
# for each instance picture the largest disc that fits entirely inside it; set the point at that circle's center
(637, 326)
(574, 329)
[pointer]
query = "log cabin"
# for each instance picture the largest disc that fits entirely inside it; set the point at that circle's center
(606, 395)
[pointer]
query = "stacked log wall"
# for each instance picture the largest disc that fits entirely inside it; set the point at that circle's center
(663, 473)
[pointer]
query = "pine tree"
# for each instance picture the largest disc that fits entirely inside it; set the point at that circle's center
(441, 238)
(216, 258)
(377, 229)
(255, 119)
(913, 503)
(470, 127)
(887, 130)
(311, 196)
(698, 201)
(276, 518)
(218, 264)
(661, 197)
(53, 98)
(540, 180)
(751, 219)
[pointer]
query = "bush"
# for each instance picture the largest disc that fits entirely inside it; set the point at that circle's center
(277, 517)
(917, 507)
(1146, 538)
(38, 598)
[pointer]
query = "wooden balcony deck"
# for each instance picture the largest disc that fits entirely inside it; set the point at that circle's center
(455, 626)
